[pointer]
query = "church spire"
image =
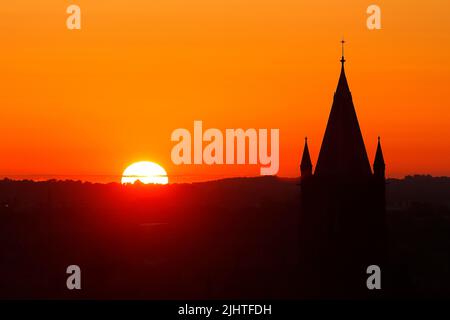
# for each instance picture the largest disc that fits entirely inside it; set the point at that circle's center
(378, 165)
(306, 164)
(343, 153)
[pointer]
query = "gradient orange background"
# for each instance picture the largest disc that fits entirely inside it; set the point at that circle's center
(85, 104)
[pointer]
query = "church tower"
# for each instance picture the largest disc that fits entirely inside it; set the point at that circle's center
(342, 219)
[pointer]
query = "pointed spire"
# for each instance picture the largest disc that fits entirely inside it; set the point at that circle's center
(343, 153)
(378, 164)
(342, 88)
(306, 164)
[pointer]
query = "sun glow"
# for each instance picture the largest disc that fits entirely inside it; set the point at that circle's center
(146, 172)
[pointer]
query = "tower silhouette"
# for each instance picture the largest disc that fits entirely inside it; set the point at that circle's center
(342, 221)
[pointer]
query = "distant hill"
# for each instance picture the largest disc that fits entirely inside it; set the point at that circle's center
(419, 189)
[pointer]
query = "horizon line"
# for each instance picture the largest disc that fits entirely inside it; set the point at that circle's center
(3, 178)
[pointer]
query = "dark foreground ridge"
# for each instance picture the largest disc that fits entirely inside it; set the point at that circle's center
(227, 239)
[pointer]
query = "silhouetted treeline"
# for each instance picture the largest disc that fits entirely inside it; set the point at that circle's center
(234, 238)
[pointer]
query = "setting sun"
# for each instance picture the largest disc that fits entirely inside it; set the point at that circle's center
(146, 172)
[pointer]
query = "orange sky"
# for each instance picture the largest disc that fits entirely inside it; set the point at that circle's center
(88, 103)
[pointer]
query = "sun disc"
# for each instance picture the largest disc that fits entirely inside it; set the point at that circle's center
(146, 172)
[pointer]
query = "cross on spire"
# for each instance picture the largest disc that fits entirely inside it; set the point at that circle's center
(342, 43)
